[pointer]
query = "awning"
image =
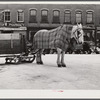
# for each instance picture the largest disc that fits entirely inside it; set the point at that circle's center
(12, 29)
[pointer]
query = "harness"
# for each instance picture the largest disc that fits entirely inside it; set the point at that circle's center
(77, 38)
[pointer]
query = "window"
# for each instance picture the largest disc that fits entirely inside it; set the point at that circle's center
(32, 16)
(67, 16)
(1, 15)
(89, 16)
(20, 16)
(7, 15)
(78, 16)
(44, 16)
(56, 16)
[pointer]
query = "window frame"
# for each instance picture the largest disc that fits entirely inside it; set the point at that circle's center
(53, 21)
(17, 15)
(7, 10)
(35, 17)
(1, 15)
(44, 21)
(77, 12)
(67, 10)
(92, 12)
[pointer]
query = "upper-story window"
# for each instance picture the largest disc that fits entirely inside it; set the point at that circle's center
(20, 16)
(67, 16)
(56, 16)
(32, 16)
(44, 16)
(78, 16)
(1, 15)
(89, 17)
(7, 16)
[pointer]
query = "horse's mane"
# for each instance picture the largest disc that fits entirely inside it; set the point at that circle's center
(65, 28)
(55, 29)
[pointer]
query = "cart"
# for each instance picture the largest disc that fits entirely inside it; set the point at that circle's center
(14, 46)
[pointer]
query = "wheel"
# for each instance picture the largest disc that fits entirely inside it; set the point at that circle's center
(16, 60)
(31, 59)
(8, 60)
(28, 59)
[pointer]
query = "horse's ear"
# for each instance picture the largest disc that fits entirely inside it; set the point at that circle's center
(80, 25)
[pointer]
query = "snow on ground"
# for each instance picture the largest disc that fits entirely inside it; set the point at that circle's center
(82, 72)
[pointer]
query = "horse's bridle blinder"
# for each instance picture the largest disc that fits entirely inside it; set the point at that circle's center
(76, 36)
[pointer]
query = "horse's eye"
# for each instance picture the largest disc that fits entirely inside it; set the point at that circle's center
(78, 33)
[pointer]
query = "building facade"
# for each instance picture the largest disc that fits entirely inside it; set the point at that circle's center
(47, 16)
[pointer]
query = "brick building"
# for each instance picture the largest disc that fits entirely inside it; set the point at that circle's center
(47, 16)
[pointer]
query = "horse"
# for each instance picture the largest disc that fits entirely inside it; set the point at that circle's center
(60, 38)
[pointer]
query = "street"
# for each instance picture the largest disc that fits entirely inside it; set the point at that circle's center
(82, 72)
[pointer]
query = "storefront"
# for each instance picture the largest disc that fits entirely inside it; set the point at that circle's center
(12, 39)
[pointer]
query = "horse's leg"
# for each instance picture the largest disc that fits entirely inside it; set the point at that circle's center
(58, 57)
(62, 59)
(38, 57)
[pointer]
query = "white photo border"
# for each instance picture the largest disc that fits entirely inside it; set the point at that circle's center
(51, 94)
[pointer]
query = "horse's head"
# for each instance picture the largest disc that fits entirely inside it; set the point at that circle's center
(77, 33)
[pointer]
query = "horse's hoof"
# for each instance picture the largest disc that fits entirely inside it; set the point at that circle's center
(41, 63)
(59, 65)
(63, 65)
(38, 62)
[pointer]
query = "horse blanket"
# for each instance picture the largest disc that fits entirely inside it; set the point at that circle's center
(52, 39)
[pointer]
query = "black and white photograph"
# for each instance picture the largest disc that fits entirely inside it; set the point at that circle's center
(50, 46)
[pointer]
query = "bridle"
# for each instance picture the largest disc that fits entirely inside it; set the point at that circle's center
(75, 37)
(78, 36)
